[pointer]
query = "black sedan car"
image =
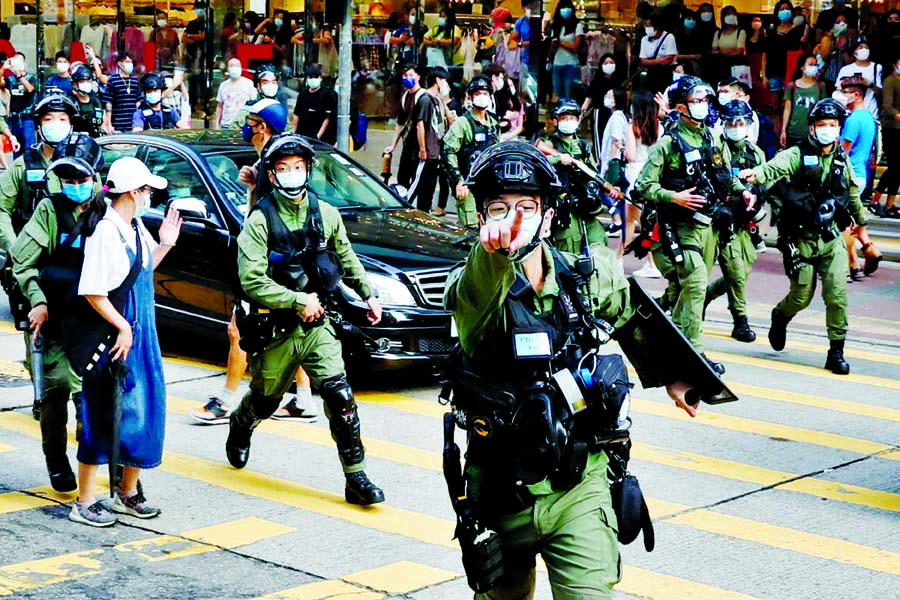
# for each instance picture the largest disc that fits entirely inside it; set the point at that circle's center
(406, 252)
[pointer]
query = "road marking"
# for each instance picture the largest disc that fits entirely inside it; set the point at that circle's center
(401, 577)
(762, 476)
(786, 367)
(6, 448)
(322, 590)
(20, 577)
(16, 501)
(849, 351)
(775, 536)
(774, 430)
(7, 327)
(845, 406)
(13, 369)
(650, 584)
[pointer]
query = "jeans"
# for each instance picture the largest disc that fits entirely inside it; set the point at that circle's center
(564, 79)
(890, 180)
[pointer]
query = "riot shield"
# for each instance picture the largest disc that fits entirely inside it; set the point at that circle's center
(684, 358)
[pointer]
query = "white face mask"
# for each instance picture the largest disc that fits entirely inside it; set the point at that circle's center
(128, 68)
(609, 68)
(651, 31)
(17, 64)
(412, 19)
(811, 71)
(706, 17)
(530, 225)
(731, 20)
(62, 68)
(736, 134)
(161, 23)
(170, 83)
(55, 131)
(499, 83)
(314, 83)
(609, 103)
(154, 98)
(269, 89)
(725, 98)
(862, 54)
(699, 112)
(568, 127)
(827, 6)
(827, 135)
(481, 101)
(293, 183)
(235, 72)
(839, 97)
(443, 87)
(85, 87)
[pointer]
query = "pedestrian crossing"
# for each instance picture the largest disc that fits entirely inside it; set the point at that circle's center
(395, 578)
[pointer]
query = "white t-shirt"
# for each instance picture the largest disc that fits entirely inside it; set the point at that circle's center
(666, 45)
(106, 262)
(616, 130)
(567, 57)
(872, 72)
(233, 95)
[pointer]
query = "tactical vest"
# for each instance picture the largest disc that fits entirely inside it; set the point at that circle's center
(61, 270)
(90, 116)
(745, 158)
(809, 204)
(163, 118)
(35, 177)
(703, 168)
(300, 260)
(582, 154)
(483, 137)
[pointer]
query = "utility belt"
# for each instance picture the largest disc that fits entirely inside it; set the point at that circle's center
(259, 327)
(19, 306)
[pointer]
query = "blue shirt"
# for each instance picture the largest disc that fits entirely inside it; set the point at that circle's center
(523, 28)
(860, 129)
(62, 83)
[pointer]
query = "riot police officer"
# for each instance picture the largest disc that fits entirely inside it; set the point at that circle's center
(688, 176)
(738, 253)
(47, 240)
(469, 136)
(816, 199)
(89, 117)
(535, 477)
(292, 253)
(151, 113)
(577, 215)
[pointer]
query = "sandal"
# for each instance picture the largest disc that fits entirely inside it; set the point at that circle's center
(856, 275)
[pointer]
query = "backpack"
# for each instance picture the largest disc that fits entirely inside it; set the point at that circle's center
(768, 139)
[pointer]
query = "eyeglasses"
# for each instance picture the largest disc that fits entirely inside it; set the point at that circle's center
(253, 122)
(702, 101)
(498, 209)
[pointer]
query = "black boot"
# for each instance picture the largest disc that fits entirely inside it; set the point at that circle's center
(778, 330)
(36, 411)
(254, 407)
(742, 331)
(62, 479)
(835, 361)
(716, 366)
(361, 491)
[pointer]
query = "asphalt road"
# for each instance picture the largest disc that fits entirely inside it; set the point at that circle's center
(791, 493)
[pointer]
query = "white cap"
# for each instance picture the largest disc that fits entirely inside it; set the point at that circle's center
(129, 173)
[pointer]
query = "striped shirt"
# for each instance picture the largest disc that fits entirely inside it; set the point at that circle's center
(124, 95)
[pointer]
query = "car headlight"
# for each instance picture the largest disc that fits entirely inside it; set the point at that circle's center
(390, 291)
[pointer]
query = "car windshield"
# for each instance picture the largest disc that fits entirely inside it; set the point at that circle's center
(334, 179)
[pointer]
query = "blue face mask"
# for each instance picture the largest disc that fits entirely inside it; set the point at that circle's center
(409, 82)
(79, 193)
(565, 13)
(247, 133)
(785, 15)
(689, 24)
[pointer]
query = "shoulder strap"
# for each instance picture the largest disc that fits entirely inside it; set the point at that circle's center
(136, 267)
(314, 225)
(59, 210)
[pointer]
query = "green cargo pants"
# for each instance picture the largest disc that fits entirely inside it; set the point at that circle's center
(736, 260)
(829, 261)
(575, 533)
(466, 211)
(60, 382)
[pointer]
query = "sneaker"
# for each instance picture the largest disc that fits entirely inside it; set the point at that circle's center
(297, 410)
(135, 505)
(214, 413)
(876, 209)
(95, 515)
(648, 271)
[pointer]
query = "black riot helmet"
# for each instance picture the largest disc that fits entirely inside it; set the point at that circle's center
(55, 102)
(76, 157)
(152, 81)
(480, 84)
(827, 109)
(736, 109)
(82, 73)
(284, 146)
(680, 90)
(566, 107)
(513, 167)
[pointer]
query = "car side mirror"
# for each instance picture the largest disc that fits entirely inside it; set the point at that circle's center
(190, 209)
(399, 190)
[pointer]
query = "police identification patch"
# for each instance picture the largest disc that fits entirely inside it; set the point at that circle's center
(481, 426)
(810, 161)
(692, 156)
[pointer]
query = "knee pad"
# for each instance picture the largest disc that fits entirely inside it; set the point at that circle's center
(337, 393)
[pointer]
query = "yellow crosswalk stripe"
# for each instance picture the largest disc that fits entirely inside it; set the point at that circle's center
(24, 576)
(849, 351)
(401, 577)
(806, 371)
(845, 406)
(17, 501)
(775, 430)
(6, 327)
(13, 369)
(6, 448)
(324, 590)
(650, 584)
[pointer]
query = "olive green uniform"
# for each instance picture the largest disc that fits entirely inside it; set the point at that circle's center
(737, 255)
(16, 197)
(699, 242)
(574, 530)
(317, 349)
(570, 238)
(827, 260)
(458, 138)
(37, 241)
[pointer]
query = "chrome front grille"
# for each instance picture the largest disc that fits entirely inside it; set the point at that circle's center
(430, 285)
